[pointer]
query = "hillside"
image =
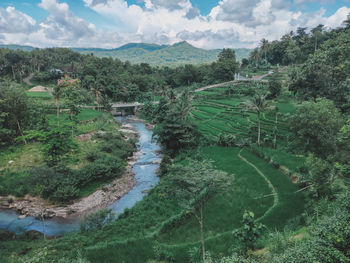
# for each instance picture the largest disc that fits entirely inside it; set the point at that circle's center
(177, 54)
(158, 55)
(18, 47)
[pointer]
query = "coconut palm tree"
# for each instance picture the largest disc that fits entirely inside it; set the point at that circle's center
(259, 105)
(57, 91)
(264, 46)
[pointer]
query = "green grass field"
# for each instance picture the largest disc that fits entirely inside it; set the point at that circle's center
(154, 220)
(249, 191)
(39, 95)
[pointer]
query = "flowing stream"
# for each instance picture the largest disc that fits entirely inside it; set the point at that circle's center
(145, 176)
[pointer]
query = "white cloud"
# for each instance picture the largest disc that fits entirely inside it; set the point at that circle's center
(232, 23)
(62, 24)
(14, 21)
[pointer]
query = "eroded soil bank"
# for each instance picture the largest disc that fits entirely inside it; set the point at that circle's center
(101, 198)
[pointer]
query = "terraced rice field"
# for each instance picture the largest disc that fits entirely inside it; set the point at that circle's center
(215, 116)
(257, 186)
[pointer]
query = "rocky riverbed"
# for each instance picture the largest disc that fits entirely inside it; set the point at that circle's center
(40, 208)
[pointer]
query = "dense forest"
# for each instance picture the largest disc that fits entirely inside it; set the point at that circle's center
(254, 170)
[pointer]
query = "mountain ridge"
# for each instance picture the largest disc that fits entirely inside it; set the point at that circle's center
(157, 55)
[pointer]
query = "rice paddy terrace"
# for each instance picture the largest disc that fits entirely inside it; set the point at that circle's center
(228, 115)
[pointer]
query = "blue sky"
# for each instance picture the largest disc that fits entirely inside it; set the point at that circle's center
(207, 24)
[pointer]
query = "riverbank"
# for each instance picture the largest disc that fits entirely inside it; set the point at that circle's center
(101, 198)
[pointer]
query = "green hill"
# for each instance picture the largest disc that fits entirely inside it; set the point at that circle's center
(165, 55)
(17, 47)
(157, 55)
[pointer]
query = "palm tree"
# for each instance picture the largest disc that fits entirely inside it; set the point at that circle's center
(258, 104)
(264, 45)
(57, 92)
(346, 23)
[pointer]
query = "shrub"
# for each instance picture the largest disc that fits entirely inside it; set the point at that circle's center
(97, 220)
(65, 193)
(165, 165)
(226, 139)
(106, 167)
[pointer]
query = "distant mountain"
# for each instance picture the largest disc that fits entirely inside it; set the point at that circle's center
(164, 55)
(158, 55)
(17, 47)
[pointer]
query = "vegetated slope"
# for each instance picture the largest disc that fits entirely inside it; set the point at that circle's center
(177, 54)
(250, 190)
(215, 116)
(159, 55)
(17, 47)
(154, 220)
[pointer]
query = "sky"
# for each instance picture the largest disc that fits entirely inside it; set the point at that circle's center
(203, 23)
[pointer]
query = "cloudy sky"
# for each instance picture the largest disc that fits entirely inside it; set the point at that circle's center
(203, 23)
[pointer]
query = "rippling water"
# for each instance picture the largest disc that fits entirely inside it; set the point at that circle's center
(145, 176)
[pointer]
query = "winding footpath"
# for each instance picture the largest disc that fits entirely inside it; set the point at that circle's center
(273, 189)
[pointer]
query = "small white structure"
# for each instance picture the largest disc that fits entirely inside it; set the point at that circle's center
(38, 89)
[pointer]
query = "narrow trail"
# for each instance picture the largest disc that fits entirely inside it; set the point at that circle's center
(235, 82)
(273, 189)
(275, 203)
(27, 79)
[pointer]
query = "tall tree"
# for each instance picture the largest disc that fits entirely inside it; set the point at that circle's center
(264, 46)
(259, 105)
(315, 126)
(226, 66)
(14, 109)
(194, 185)
(174, 129)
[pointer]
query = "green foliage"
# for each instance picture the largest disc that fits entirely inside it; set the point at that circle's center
(322, 175)
(96, 220)
(174, 130)
(251, 230)
(234, 258)
(196, 182)
(57, 144)
(315, 126)
(228, 140)
(226, 66)
(324, 74)
(258, 104)
(275, 88)
(343, 144)
(165, 165)
(14, 110)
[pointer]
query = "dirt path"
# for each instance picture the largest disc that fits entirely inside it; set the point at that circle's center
(28, 78)
(273, 189)
(236, 82)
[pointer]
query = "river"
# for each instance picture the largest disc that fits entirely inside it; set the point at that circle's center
(145, 176)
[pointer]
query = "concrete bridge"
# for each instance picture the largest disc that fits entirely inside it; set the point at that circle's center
(120, 108)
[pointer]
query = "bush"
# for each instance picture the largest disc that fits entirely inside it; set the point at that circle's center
(65, 193)
(97, 220)
(107, 167)
(165, 165)
(275, 88)
(226, 139)
(312, 250)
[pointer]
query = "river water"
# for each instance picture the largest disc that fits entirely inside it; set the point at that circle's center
(145, 176)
